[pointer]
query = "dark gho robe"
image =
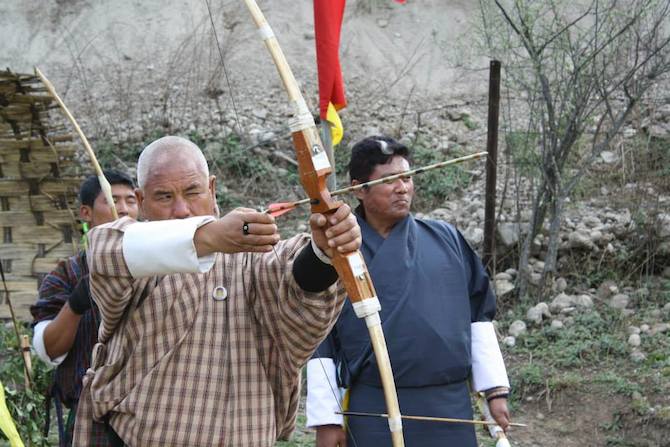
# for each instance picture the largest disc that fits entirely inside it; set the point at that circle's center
(431, 286)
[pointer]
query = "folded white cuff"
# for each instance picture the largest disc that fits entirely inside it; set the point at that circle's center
(40, 349)
(320, 254)
(488, 366)
(164, 247)
(323, 395)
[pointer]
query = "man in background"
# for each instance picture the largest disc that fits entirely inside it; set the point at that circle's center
(437, 307)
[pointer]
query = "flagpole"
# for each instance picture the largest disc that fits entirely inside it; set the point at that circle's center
(328, 146)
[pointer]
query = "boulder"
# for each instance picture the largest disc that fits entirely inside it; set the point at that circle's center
(596, 236)
(503, 287)
(607, 289)
(508, 234)
(534, 316)
(663, 225)
(634, 340)
(560, 302)
(556, 324)
(509, 341)
(517, 328)
(659, 328)
(474, 236)
(561, 284)
(580, 239)
(537, 313)
(609, 157)
(443, 214)
(511, 272)
(503, 276)
(535, 278)
(619, 301)
(583, 301)
(591, 221)
(638, 356)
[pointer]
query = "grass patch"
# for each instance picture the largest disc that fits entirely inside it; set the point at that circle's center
(26, 406)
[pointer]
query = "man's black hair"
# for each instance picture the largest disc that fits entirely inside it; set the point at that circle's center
(373, 151)
(90, 188)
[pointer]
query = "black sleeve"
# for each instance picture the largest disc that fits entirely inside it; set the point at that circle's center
(310, 273)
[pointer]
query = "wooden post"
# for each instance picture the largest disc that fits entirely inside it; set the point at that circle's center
(489, 251)
(25, 350)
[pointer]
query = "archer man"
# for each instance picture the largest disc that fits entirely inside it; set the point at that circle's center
(437, 308)
(206, 321)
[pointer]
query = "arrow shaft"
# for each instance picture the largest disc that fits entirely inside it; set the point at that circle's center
(428, 418)
(388, 179)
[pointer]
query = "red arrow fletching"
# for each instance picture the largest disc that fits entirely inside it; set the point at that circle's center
(277, 209)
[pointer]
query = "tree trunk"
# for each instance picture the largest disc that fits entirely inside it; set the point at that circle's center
(536, 219)
(550, 261)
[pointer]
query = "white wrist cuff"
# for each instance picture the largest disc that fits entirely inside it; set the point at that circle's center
(40, 348)
(324, 398)
(488, 366)
(164, 247)
(321, 255)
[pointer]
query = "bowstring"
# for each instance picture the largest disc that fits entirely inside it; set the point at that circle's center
(239, 127)
(225, 71)
(337, 399)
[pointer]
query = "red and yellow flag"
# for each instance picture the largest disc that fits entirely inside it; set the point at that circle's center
(327, 25)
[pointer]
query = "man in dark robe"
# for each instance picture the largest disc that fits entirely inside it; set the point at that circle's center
(437, 307)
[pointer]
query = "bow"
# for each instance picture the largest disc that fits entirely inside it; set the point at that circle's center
(104, 184)
(314, 167)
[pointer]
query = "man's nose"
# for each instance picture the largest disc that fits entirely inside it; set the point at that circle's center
(121, 208)
(180, 209)
(401, 186)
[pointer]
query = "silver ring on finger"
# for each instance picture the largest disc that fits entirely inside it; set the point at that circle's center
(245, 228)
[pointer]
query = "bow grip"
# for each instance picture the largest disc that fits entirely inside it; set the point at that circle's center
(314, 167)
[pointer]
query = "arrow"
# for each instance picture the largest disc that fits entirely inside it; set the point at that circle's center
(428, 418)
(277, 209)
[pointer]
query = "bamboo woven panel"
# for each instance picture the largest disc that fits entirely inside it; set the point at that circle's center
(38, 189)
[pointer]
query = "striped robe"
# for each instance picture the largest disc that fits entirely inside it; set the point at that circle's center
(177, 367)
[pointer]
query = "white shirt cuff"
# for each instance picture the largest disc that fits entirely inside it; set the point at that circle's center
(164, 247)
(321, 255)
(40, 349)
(488, 366)
(323, 396)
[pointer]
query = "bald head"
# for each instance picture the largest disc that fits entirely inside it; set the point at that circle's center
(166, 151)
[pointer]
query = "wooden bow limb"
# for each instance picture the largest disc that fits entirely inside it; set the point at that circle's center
(428, 418)
(104, 184)
(277, 209)
(314, 167)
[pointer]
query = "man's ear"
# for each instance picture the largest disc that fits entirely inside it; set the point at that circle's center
(86, 213)
(212, 187)
(140, 199)
(360, 193)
